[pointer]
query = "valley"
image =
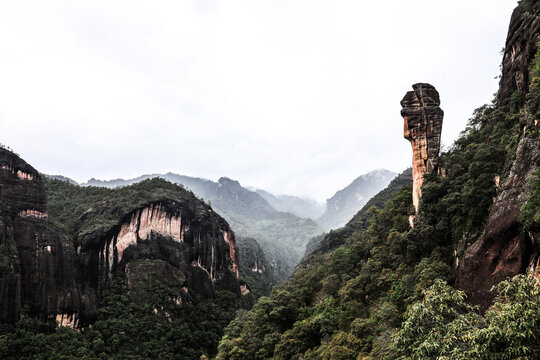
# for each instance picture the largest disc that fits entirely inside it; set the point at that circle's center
(438, 261)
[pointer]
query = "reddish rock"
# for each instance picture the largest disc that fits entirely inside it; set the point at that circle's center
(504, 249)
(60, 278)
(423, 124)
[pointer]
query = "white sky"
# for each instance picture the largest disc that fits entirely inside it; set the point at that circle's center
(295, 97)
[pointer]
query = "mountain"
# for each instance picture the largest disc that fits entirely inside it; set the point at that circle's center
(61, 178)
(386, 287)
(88, 257)
(255, 269)
(282, 235)
(341, 207)
(302, 207)
(328, 242)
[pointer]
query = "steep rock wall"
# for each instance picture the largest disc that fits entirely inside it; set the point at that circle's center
(519, 50)
(45, 274)
(36, 263)
(199, 246)
(504, 249)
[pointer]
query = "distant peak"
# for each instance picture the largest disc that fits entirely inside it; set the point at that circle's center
(225, 180)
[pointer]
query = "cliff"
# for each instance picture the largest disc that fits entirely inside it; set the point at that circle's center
(281, 234)
(37, 273)
(255, 270)
(505, 248)
(520, 47)
(57, 259)
(422, 127)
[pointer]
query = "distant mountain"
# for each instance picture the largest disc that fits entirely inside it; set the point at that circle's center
(306, 208)
(61, 178)
(325, 243)
(282, 235)
(341, 207)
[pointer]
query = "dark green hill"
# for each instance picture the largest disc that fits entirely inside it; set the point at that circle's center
(282, 235)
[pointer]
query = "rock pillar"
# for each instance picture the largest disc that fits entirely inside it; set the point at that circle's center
(423, 123)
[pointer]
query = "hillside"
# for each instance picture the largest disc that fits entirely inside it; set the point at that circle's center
(282, 235)
(342, 206)
(306, 208)
(324, 244)
(119, 270)
(388, 291)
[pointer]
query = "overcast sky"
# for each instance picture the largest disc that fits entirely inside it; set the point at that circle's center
(295, 97)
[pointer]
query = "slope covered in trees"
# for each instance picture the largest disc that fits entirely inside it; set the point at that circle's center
(382, 293)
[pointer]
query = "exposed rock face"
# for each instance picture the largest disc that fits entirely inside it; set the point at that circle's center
(196, 245)
(505, 250)
(36, 263)
(180, 242)
(423, 124)
(255, 268)
(519, 50)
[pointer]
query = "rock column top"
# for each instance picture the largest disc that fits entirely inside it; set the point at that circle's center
(422, 127)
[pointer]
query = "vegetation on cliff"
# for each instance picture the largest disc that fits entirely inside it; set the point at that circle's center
(124, 329)
(381, 293)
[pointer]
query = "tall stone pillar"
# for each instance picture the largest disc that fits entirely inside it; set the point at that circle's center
(423, 124)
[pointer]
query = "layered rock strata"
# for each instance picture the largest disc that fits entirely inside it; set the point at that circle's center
(197, 246)
(181, 242)
(422, 127)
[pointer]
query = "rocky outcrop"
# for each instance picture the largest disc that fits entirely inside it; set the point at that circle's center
(36, 262)
(521, 43)
(196, 244)
(423, 124)
(177, 241)
(505, 249)
(256, 270)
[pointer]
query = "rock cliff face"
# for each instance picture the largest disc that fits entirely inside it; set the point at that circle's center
(165, 234)
(423, 124)
(188, 238)
(256, 269)
(36, 263)
(519, 50)
(504, 249)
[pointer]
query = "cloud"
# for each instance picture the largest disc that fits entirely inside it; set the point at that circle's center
(291, 96)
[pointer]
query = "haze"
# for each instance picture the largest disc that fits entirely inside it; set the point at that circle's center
(294, 97)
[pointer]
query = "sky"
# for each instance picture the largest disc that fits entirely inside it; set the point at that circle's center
(292, 96)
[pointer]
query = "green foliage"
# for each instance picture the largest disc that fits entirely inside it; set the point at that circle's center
(530, 212)
(444, 326)
(81, 210)
(255, 270)
(126, 330)
(377, 273)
